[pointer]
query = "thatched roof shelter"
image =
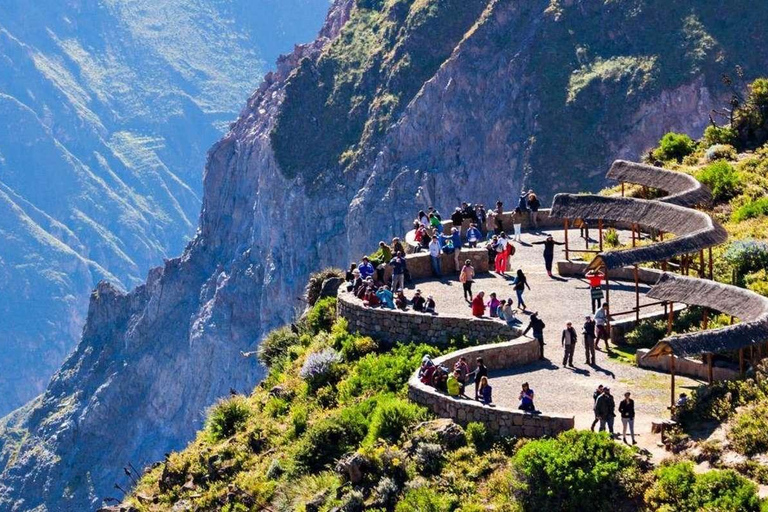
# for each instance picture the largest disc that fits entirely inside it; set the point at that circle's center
(693, 230)
(682, 189)
(747, 306)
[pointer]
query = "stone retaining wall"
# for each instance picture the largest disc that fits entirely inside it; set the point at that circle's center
(420, 266)
(684, 366)
(390, 325)
(499, 420)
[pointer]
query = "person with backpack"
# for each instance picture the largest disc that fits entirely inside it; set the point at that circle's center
(549, 252)
(466, 278)
(537, 325)
(533, 205)
(588, 331)
(520, 283)
(627, 411)
(568, 340)
(605, 408)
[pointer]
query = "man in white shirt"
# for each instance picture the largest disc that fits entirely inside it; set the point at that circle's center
(434, 255)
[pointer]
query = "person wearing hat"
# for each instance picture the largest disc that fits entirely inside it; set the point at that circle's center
(418, 302)
(588, 331)
(568, 340)
(430, 306)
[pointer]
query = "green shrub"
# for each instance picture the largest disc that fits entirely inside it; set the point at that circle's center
(611, 238)
(721, 178)
(315, 282)
(576, 471)
(674, 146)
(275, 345)
(330, 438)
(429, 458)
(757, 282)
(392, 417)
(426, 499)
(478, 436)
(678, 488)
(381, 373)
(646, 334)
(749, 433)
(228, 416)
(351, 346)
(751, 210)
(322, 315)
(718, 401)
(718, 135)
(746, 257)
(275, 407)
(299, 419)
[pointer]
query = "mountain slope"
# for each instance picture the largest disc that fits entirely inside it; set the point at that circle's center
(524, 94)
(106, 111)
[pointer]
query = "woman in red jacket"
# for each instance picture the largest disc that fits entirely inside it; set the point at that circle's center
(478, 304)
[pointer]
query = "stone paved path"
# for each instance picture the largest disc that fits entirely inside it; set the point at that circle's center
(558, 300)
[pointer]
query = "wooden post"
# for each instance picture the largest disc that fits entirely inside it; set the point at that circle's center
(670, 317)
(600, 233)
(672, 374)
(634, 241)
(622, 189)
(711, 273)
(637, 296)
(702, 275)
(705, 319)
(741, 361)
(709, 368)
(607, 291)
(565, 228)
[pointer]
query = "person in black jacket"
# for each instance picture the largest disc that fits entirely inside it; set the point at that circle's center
(627, 411)
(605, 408)
(537, 325)
(534, 204)
(457, 218)
(549, 252)
(589, 339)
(480, 371)
(595, 396)
(569, 339)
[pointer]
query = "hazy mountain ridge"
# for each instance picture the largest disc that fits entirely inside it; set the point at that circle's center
(107, 111)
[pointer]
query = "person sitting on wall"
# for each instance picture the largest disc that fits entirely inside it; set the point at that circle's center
(371, 299)
(526, 399)
(401, 301)
(457, 218)
(440, 379)
(368, 283)
(473, 236)
(350, 275)
(485, 392)
(434, 222)
(427, 370)
(508, 313)
(462, 368)
(478, 305)
(356, 283)
(386, 297)
(365, 268)
(418, 302)
(397, 246)
(422, 218)
(453, 385)
(493, 306)
(430, 306)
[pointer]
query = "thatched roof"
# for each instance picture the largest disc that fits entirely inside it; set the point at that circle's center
(681, 189)
(747, 306)
(693, 230)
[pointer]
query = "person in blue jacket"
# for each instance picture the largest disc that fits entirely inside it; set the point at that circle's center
(365, 268)
(474, 235)
(386, 297)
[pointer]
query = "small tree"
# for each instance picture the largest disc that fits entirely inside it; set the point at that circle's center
(674, 146)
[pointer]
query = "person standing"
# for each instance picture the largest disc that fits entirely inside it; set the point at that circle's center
(595, 396)
(434, 256)
(522, 203)
(605, 407)
(457, 218)
(549, 252)
(537, 326)
(478, 305)
(589, 339)
(534, 205)
(482, 218)
(569, 343)
(601, 320)
(595, 278)
(498, 227)
(365, 268)
(466, 277)
(398, 272)
(480, 373)
(502, 254)
(520, 283)
(517, 224)
(456, 239)
(627, 411)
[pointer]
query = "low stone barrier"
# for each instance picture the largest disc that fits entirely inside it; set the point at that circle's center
(391, 325)
(420, 265)
(499, 420)
(685, 366)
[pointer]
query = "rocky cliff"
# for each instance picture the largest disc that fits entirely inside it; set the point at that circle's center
(397, 105)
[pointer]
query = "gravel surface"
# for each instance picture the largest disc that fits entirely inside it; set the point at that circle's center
(558, 300)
